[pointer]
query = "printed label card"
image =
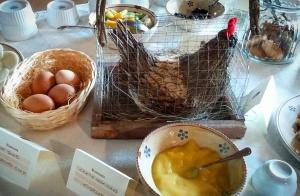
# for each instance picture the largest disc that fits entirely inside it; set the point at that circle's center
(264, 96)
(91, 176)
(18, 158)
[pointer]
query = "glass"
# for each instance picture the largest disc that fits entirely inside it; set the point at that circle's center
(277, 40)
(284, 5)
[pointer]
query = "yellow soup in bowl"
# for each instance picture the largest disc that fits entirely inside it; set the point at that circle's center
(169, 165)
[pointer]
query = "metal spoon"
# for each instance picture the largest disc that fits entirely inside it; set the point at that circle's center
(213, 4)
(137, 25)
(74, 26)
(193, 172)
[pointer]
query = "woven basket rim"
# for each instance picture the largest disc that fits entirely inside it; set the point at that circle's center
(83, 94)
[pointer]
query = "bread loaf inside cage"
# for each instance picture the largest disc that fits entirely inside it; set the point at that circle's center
(190, 84)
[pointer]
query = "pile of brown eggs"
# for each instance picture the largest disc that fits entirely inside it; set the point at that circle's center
(51, 91)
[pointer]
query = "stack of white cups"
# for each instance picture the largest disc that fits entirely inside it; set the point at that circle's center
(17, 20)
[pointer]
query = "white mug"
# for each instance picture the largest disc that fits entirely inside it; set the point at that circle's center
(62, 12)
(17, 20)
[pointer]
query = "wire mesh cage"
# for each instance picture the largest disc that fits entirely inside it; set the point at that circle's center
(180, 70)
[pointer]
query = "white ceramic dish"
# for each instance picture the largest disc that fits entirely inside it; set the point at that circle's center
(276, 178)
(284, 120)
(7, 47)
(178, 134)
(185, 7)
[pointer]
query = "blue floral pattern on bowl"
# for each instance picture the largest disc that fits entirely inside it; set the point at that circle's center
(292, 108)
(190, 3)
(147, 151)
(224, 148)
(183, 134)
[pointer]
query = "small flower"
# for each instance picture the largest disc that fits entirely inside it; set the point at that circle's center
(190, 3)
(292, 108)
(147, 151)
(223, 148)
(182, 134)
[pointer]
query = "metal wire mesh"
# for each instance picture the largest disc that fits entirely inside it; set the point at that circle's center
(141, 98)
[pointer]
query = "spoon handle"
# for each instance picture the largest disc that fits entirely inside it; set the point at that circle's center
(213, 4)
(74, 26)
(237, 155)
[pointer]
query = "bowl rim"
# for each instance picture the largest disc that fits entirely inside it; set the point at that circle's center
(87, 88)
(283, 138)
(13, 49)
(189, 19)
(199, 125)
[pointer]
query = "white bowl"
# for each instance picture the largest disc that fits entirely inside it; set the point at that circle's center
(184, 7)
(178, 134)
(5, 71)
(7, 47)
(275, 178)
(141, 37)
(61, 13)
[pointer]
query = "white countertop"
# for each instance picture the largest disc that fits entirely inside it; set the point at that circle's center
(50, 176)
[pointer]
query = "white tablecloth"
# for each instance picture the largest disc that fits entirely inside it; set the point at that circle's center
(50, 178)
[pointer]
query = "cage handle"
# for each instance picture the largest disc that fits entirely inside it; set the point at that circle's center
(100, 22)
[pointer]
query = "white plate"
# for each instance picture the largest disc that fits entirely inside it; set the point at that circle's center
(7, 47)
(285, 119)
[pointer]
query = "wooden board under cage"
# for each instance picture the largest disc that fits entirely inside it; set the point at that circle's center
(118, 116)
(107, 128)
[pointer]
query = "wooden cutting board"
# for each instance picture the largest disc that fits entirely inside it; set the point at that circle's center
(105, 127)
(233, 129)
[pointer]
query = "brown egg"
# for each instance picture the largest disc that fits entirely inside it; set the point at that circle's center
(67, 77)
(38, 103)
(62, 93)
(43, 82)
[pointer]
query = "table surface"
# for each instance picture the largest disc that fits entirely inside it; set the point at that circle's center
(50, 178)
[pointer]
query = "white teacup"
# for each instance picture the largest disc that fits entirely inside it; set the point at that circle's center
(276, 178)
(62, 12)
(17, 20)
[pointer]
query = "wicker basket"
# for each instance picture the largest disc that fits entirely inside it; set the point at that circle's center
(17, 87)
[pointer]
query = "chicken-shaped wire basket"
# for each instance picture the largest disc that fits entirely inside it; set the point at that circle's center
(176, 74)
